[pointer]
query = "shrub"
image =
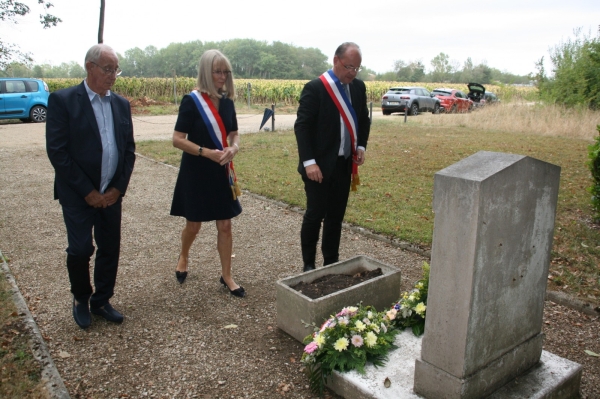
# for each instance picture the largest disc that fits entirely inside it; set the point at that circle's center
(594, 164)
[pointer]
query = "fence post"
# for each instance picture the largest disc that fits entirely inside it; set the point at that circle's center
(273, 120)
(174, 87)
(370, 112)
(405, 111)
(248, 89)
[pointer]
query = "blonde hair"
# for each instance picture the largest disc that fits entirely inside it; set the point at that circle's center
(217, 60)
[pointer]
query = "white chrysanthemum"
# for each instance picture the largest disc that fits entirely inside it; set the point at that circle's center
(371, 339)
(360, 326)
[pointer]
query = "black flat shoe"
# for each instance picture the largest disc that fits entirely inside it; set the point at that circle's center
(181, 276)
(239, 292)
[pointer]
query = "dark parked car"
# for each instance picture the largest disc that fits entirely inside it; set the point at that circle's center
(452, 100)
(24, 99)
(489, 98)
(412, 99)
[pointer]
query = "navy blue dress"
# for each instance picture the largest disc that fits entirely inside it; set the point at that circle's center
(202, 192)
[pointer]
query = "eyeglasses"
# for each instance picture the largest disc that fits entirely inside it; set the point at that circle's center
(224, 73)
(108, 71)
(350, 68)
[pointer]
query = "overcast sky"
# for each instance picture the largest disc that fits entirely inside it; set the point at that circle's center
(510, 35)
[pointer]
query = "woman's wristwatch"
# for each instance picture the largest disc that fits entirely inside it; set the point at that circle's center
(199, 151)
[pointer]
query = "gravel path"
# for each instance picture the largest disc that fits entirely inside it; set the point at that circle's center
(174, 341)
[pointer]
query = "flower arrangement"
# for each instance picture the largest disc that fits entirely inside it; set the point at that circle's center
(347, 341)
(410, 310)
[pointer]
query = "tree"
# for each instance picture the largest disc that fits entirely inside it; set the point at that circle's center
(576, 64)
(10, 11)
(441, 68)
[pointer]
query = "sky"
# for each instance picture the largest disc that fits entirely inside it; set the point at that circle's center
(510, 35)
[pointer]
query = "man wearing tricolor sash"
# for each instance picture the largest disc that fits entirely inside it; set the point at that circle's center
(332, 129)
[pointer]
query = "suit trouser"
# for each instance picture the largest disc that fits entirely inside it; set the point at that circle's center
(106, 226)
(325, 202)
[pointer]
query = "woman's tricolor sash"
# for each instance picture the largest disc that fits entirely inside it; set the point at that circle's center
(342, 102)
(217, 132)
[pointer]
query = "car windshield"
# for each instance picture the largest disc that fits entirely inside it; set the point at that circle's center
(441, 93)
(399, 90)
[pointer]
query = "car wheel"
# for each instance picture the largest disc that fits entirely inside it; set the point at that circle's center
(414, 109)
(37, 114)
(436, 109)
(387, 112)
(453, 109)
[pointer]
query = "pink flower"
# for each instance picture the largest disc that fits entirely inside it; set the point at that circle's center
(310, 348)
(357, 341)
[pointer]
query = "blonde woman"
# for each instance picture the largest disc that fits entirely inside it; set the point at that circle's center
(206, 189)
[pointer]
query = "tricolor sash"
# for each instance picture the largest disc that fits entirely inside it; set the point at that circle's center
(217, 132)
(342, 102)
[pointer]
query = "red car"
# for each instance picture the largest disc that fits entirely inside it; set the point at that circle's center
(453, 100)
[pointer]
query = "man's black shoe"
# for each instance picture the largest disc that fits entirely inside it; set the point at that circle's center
(309, 266)
(81, 314)
(109, 313)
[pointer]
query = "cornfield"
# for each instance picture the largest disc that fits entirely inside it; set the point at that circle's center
(280, 92)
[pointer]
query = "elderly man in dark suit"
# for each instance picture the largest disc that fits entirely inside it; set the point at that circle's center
(332, 129)
(89, 140)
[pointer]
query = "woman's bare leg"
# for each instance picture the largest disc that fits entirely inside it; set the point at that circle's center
(188, 235)
(225, 248)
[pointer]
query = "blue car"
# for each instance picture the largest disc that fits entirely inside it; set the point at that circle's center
(24, 99)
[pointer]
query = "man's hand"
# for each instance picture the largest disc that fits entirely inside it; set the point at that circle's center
(111, 196)
(313, 172)
(359, 158)
(96, 200)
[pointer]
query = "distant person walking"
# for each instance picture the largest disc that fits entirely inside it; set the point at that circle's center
(89, 140)
(332, 129)
(207, 132)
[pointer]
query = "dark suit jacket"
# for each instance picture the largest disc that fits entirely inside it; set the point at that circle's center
(317, 124)
(74, 145)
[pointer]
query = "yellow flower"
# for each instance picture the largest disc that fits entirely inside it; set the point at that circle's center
(319, 340)
(352, 309)
(371, 339)
(341, 344)
(360, 326)
(420, 308)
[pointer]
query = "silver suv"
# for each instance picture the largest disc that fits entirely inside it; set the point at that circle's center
(412, 99)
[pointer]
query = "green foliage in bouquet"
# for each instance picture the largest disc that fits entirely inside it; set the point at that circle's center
(347, 341)
(410, 310)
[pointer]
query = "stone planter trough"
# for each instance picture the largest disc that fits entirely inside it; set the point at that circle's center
(293, 307)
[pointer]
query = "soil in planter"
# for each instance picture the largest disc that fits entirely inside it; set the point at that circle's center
(334, 282)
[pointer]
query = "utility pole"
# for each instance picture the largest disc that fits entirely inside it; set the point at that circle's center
(101, 25)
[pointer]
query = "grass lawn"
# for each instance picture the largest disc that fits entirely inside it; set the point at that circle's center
(395, 195)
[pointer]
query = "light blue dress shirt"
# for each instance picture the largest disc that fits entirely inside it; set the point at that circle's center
(104, 118)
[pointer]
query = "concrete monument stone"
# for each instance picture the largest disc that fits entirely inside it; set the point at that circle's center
(492, 238)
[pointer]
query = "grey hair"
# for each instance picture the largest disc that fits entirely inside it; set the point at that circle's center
(209, 60)
(342, 48)
(95, 52)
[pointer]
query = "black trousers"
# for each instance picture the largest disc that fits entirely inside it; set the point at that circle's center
(325, 202)
(106, 226)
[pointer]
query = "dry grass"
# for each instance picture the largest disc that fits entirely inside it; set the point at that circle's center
(526, 118)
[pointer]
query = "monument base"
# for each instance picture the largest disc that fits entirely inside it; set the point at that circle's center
(433, 382)
(552, 378)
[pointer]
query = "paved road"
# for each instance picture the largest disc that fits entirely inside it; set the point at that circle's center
(18, 134)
